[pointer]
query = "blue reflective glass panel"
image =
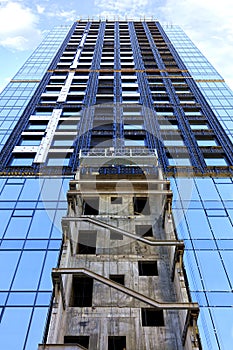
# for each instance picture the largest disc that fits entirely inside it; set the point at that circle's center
(227, 257)
(223, 322)
(198, 224)
(213, 273)
(14, 327)
(11, 192)
(31, 189)
(50, 262)
(207, 189)
(8, 263)
(4, 219)
(43, 298)
(18, 227)
(221, 226)
(29, 270)
(36, 328)
(41, 224)
(21, 298)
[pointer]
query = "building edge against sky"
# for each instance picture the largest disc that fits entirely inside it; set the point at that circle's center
(32, 209)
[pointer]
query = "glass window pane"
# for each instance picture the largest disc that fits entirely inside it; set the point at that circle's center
(8, 263)
(214, 276)
(216, 162)
(3, 298)
(21, 298)
(173, 142)
(221, 226)
(50, 262)
(207, 143)
(225, 191)
(51, 189)
(134, 143)
(207, 189)
(223, 322)
(57, 230)
(10, 192)
(4, 219)
(63, 143)
(18, 227)
(37, 328)
(179, 161)
(204, 244)
(187, 189)
(36, 244)
(23, 212)
(14, 327)
(31, 190)
(194, 278)
(227, 260)
(216, 212)
(207, 333)
(29, 270)
(198, 224)
(19, 161)
(41, 224)
(133, 127)
(180, 222)
(43, 298)
(220, 298)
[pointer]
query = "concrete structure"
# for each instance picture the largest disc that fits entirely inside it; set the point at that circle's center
(102, 104)
(120, 283)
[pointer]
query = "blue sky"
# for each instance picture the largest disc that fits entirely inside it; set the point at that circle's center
(24, 22)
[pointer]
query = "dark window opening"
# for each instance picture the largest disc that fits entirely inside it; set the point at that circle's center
(86, 242)
(115, 236)
(30, 141)
(144, 230)
(147, 268)
(91, 206)
(106, 99)
(105, 90)
(116, 343)
(116, 200)
(82, 291)
(101, 142)
(79, 340)
(100, 126)
(141, 206)
(118, 278)
(152, 318)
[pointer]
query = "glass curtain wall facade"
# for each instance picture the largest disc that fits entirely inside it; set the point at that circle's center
(207, 224)
(152, 90)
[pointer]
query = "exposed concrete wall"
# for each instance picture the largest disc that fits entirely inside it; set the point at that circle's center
(112, 312)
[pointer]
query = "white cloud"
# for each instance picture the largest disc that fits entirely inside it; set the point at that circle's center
(126, 8)
(40, 9)
(17, 43)
(67, 15)
(18, 26)
(14, 17)
(209, 24)
(4, 82)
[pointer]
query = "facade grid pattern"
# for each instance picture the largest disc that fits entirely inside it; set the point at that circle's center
(15, 97)
(31, 207)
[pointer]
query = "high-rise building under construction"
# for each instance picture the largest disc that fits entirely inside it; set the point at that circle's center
(115, 193)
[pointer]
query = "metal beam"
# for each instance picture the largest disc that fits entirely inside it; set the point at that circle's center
(151, 242)
(97, 191)
(57, 272)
